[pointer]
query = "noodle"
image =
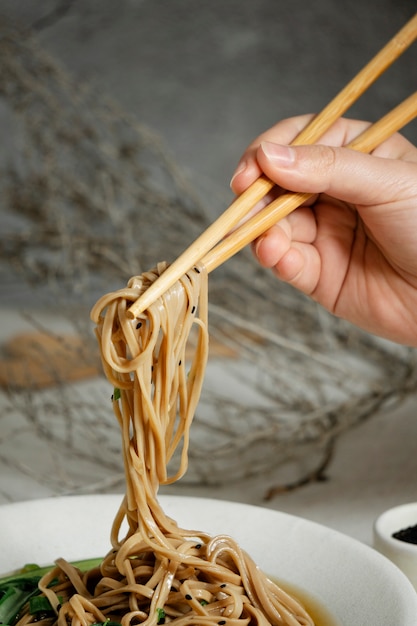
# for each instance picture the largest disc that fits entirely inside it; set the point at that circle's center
(158, 572)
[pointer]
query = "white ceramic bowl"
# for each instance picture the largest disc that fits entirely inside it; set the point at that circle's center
(354, 583)
(402, 553)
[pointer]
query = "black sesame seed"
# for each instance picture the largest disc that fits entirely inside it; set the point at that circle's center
(409, 534)
(197, 270)
(198, 546)
(222, 621)
(193, 309)
(223, 585)
(42, 615)
(188, 597)
(180, 362)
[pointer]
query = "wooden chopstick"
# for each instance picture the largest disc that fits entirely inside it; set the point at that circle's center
(367, 141)
(249, 198)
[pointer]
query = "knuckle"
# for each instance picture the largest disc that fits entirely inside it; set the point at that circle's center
(327, 157)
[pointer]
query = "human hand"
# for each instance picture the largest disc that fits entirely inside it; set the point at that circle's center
(353, 247)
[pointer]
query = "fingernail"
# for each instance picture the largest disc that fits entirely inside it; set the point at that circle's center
(258, 244)
(240, 168)
(283, 156)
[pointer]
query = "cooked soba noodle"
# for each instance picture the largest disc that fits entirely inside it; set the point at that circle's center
(158, 572)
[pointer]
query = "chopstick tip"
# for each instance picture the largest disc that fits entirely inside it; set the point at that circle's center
(135, 309)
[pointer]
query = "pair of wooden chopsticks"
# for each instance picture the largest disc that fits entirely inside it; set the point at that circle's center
(207, 250)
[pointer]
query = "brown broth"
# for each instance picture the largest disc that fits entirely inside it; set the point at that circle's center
(320, 614)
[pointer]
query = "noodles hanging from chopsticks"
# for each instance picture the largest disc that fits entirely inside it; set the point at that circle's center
(158, 572)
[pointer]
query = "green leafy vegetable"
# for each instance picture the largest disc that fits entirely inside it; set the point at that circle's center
(15, 595)
(17, 589)
(40, 604)
(161, 616)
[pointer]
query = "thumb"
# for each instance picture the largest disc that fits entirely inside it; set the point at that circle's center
(340, 172)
